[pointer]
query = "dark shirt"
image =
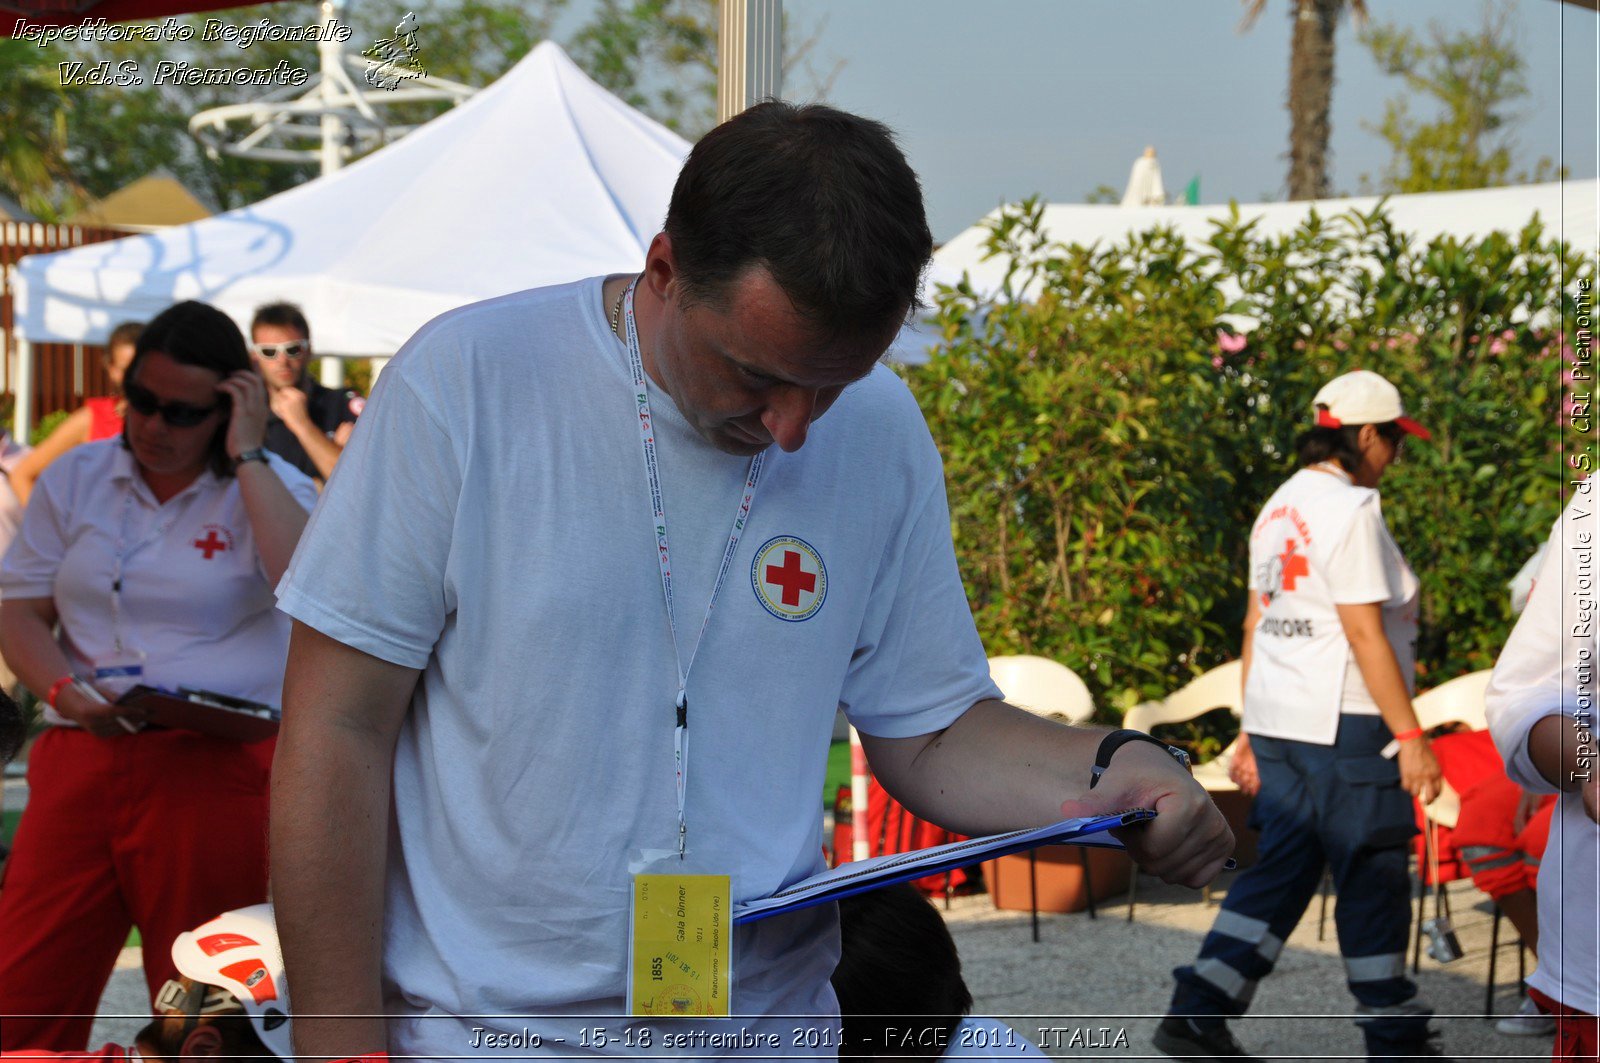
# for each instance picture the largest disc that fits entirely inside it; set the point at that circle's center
(327, 408)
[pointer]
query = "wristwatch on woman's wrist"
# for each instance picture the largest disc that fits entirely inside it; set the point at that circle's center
(253, 454)
(1117, 739)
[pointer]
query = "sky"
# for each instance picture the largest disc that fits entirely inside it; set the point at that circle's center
(1001, 99)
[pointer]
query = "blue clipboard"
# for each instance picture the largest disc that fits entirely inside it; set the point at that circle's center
(847, 880)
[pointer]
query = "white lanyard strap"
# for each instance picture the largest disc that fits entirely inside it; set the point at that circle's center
(680, 731)
(123, 552)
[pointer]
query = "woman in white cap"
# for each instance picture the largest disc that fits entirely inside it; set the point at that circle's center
(1329, 658)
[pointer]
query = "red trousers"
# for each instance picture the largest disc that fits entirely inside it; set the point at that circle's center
(1577, 1038)
(162, 830)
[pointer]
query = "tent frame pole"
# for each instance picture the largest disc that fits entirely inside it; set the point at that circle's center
(750, 47)
(22, 373)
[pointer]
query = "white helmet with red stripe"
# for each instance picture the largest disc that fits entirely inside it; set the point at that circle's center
(238, 951)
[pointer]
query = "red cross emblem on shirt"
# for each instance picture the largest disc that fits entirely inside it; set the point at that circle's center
(1294, 565)
(210, 544)
(791, 578)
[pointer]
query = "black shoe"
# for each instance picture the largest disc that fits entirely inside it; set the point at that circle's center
(1187, 1040)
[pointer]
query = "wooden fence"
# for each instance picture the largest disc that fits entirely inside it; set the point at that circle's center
(63, 372)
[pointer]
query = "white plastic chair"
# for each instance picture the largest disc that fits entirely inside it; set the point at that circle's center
(1460, 700)
(1043, 687)
(1220, 688)
(1050, 689)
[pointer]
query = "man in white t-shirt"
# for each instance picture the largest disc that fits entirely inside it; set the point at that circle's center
(1541, 709)
(508, 693)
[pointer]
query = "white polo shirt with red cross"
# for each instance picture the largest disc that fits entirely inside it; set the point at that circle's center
(1320, 542)
(195, 599)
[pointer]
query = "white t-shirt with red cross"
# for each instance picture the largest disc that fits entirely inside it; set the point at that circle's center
(1320, 542)
(496, 485)
(195, 599)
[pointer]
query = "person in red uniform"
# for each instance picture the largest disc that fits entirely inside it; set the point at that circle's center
(97, 418)
(149, 558)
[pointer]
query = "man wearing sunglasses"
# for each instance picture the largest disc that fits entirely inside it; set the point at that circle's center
(309, 423)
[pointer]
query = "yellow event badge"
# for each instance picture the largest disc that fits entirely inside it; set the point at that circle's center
(681, 946)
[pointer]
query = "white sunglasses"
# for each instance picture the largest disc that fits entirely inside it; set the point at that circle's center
(291, 349)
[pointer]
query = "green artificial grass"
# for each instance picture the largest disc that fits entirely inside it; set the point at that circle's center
(838, 772)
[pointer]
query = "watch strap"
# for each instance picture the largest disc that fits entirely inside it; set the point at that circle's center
(254, 454)
(1117, 739)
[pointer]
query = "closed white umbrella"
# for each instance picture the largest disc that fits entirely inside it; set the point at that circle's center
(1144, 182)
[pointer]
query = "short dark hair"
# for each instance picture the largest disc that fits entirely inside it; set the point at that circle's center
(899, 976)
(197, 334)
(165, 1034)
(823, 199)
(124, 335)
(284, 315)
(1341, 444)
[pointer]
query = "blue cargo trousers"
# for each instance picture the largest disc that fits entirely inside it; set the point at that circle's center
(1338, 807)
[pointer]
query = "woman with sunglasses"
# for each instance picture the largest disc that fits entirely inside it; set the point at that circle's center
(1331, 746)
(151, 558)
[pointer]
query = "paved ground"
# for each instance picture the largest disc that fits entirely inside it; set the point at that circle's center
(1094, 980)
(1105, 982)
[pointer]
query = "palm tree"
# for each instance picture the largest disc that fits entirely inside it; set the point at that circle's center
(1310, 88)
(33, 137)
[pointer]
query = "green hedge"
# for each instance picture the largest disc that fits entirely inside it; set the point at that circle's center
(1110, 434)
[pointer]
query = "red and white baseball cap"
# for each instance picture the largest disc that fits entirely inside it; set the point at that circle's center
(1363, 397)
(238, 951)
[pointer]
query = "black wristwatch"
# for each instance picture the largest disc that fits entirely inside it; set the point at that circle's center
(253, 454)
(1117, 739)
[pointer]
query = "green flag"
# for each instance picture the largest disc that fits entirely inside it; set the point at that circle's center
(1191, 193)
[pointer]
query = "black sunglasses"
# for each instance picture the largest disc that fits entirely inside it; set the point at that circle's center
(176, 414)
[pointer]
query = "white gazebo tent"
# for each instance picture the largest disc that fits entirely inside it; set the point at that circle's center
(1568, 210)
(541, 178)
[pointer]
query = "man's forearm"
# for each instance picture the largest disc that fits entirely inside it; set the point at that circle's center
(999, 768)
(330, 811)
(1563, 751)
(331, 781)
(996, 768)
(323, 452)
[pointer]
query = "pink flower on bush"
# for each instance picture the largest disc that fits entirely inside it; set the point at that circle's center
(1231, 342)
(1497, 346)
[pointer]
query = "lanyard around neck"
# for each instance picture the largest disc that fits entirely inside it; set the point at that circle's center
(647, 438)
(125, 550)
